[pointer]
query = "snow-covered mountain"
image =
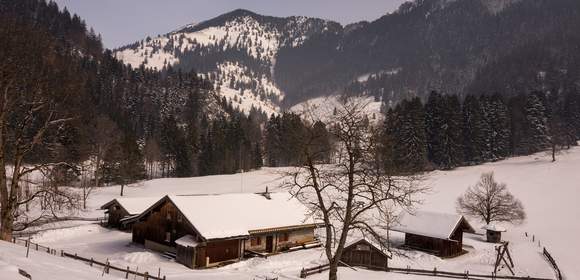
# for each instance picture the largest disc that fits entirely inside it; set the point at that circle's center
(237, 51)
(452, 46)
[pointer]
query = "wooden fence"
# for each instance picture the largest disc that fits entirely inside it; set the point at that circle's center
(107, 267)
(305, 272)
(553, 263)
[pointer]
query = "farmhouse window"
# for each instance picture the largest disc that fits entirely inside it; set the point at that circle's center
(284, 237)
(179, 218)
(168, 216)
(168, 237)
(256, 241)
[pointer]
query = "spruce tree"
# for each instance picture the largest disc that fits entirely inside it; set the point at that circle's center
(410, 149)
(497, 119)
(537, 126)
(434, 127)
(474, 140)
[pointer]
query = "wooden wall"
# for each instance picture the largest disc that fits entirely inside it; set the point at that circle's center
(164, 219)
(116, 213)
(295, 238)
(365, 255)
(439, 247)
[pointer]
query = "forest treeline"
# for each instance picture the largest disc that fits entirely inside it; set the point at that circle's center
(117, 125)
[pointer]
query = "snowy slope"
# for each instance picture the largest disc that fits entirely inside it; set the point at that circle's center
(549, 192)
(41, 265)
(237, 51)
(322, 108)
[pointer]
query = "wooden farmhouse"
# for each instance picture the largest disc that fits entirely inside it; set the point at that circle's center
(209, 230)
(366, 253)
(436, 233)
(122, 208)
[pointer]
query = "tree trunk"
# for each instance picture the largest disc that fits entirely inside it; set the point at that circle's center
(6, 222)
(333, 271)
(553, 152)
(122, 189)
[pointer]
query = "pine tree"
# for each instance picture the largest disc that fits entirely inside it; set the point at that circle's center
(434, 127)
(452, 143)
(497, 119)
(474, 140)
(410, 149)
(537, 126)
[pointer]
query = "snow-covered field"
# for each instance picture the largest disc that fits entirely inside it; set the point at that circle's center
(549, 192)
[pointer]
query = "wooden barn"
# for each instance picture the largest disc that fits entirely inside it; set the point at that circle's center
(366, 253)
(437, 233)
(122, 208)
(209, 230)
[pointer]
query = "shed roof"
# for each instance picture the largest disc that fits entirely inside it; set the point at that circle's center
(432, 224)
(380, 248)
(187, 241)
(133, 205)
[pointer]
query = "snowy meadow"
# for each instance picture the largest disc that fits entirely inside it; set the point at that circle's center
(548, 191)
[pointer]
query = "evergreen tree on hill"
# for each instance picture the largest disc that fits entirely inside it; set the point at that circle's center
(537, 126)
(474, 130)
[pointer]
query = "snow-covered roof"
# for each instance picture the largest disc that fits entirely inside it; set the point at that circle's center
(494, 227)
(187, 241)
(231, 215)
(431, 224)
(133, 205)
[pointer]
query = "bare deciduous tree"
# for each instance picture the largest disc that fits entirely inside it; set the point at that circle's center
(353, 194)
(491, 201)
(34, 92)
(107, 135)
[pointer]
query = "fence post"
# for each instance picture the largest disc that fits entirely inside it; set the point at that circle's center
(467, 274)
(159, 273)
(127, 273)
(302, 273)
(36, 246)
(91, 263)
(146, 276)
(61, 253)
(435, 271)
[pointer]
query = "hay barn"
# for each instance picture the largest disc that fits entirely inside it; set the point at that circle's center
(436, 233)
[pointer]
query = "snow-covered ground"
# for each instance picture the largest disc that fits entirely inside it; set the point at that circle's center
(41, 265)
(322, 108)
(549, 192)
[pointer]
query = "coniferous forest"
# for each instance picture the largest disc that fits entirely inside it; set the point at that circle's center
(128, 124)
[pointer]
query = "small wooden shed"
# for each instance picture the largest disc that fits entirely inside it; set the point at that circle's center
(122, 208)
(365, 253)
(493, 233)
(436, 233)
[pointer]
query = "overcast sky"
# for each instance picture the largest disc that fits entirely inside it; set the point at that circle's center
(126, 21)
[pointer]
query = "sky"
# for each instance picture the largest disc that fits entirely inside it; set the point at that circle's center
(122, 22)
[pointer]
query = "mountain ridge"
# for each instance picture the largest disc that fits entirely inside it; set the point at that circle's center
(443, 45)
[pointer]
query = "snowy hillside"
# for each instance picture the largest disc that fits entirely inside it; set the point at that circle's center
(322, 108)
(546, 189)
(237, 51)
